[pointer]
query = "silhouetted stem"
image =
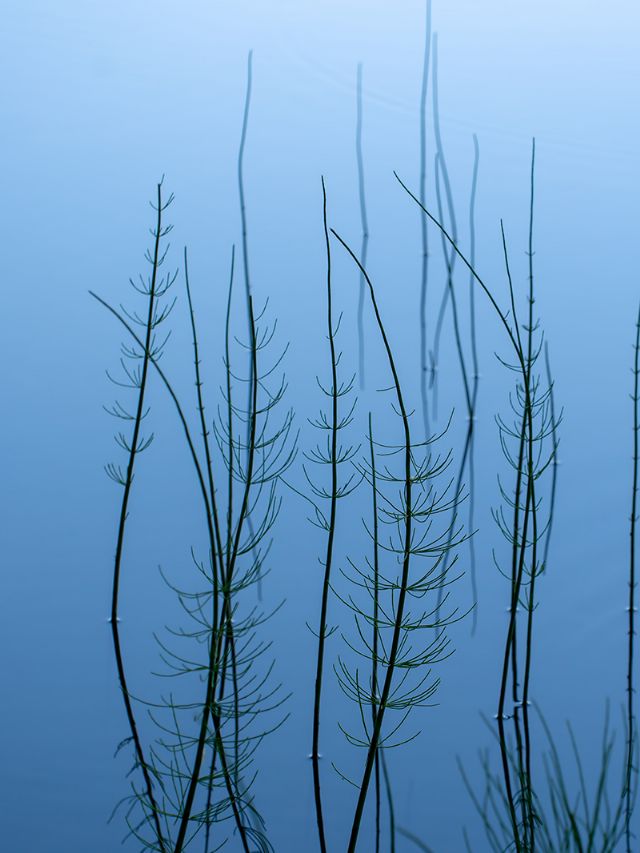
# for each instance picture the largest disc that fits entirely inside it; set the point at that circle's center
(214, 652)
(406, 561)
(376, 607)
(322, 629)
(137, 422)
(631, 721)
(534, 519)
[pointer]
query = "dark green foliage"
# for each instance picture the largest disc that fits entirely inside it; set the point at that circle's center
(192, 782)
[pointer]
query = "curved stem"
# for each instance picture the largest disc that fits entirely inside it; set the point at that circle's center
(406, 561)
(214, 652)
(322, 629)
(114, 619)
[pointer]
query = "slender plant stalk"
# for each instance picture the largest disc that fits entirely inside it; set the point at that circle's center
(128, 481)
(631, 720)
(208, 711)
(380, 756)
(218, 554)
(521, 531)
(322, 628)
(406, 561)
(555, 463)
(519, 539)
(376, 616)
(534, 518)
(229, 512)
(219, 570)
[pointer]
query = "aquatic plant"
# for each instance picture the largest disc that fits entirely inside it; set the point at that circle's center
(193, 783)
(237, 691)
(534, 424)
(412, 501)
(569, 816)
(135, 363)
(334, 455)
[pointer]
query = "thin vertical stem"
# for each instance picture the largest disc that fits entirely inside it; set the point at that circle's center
(208, 708)
(534, 514)
(376, 610)
(229, 517)
(114, 619)
(406, 562)
(322, 629)
(631, 721)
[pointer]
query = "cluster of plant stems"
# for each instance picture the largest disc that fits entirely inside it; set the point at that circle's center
(193, 751)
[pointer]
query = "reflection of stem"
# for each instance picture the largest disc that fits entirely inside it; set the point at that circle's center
(392, 814)
(449, 257)
(469, 397)
(245, 249)
(476, 378)
(423, 222)
(365, 228)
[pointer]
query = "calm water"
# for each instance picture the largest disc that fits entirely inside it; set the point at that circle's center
(99, 102)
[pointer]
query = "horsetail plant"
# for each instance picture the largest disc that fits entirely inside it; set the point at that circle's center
(177, 759)
(334, 455)
(534, 424)
(566, 822)
(374, 565)
(153, 288)
(409, 502)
